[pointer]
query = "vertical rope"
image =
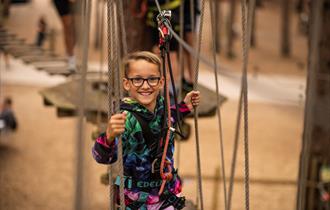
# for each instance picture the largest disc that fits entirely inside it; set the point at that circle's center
(181, 75)
(118, 94)
(110, 89)
(243, 101)
(246, 44)
(199, 41)
(234, 155)
(192, 15)
(79, 205)
(316, 24)
(214, 48)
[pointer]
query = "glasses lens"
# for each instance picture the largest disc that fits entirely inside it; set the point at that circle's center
(137, 81)
(153, 81)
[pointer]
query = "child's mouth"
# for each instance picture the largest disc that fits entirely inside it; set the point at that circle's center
(145, 93)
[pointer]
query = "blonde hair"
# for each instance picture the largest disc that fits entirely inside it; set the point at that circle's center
(141, 55)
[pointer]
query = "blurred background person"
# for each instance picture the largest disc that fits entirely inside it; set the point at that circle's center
(41, 32)
(65, 9)
(7, 117)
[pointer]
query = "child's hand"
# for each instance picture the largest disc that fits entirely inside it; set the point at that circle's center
(192, 99)
(116, 126)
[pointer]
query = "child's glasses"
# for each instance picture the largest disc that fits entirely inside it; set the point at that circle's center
(139, 81)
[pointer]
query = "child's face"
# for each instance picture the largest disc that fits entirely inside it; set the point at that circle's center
(143, 83)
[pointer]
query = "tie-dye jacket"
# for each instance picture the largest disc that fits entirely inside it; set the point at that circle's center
(136, 154)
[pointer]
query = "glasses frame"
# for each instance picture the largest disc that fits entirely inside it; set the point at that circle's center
(144, 79)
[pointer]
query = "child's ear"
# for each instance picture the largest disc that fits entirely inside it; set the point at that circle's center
(161, 82)
(126, 84)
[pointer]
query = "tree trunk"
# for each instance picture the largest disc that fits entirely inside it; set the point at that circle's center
(137, 34)
(315, 154)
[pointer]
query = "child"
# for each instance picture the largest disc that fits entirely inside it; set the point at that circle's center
(42, 29)
(7, 117)
(142, 126)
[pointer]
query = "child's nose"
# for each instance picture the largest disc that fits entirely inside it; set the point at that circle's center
(145, 84)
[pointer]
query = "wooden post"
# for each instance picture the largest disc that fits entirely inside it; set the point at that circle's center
(217, 12)
(97, 24)
(230, 31)
(316, 136)
(285, 42)
(253, 29)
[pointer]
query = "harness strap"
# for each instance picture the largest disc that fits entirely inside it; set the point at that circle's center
(154, 146)
(144, 186)
(134, 205)
(148, 135)
(170, 199)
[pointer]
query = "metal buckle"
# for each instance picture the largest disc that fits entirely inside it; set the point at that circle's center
(153, 169)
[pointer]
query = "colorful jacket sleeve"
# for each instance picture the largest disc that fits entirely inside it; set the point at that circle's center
(104, 153)
(183, 111)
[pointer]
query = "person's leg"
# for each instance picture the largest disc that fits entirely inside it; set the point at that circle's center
(65, 10)
(175, 67)
(189, 38)
(6, 57)
(69, 36)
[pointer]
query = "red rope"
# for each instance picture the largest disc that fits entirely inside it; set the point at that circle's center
(166, 176)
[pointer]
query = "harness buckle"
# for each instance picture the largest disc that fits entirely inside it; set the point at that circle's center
(155, 166)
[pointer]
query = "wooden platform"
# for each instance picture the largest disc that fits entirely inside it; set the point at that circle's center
(43, 59)
(63, 70)
(66, 96)
(32, 59)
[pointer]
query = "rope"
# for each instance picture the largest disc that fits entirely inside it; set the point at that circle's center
(81, 106)
(118, 92)
(168, 175)
(192, 15)
(120, 15)
(110, 89)
(195, 108)
(196, 71)
(246, 29)
(118, 95)
(214, 48)
(315, 29)
(198, 56)
(192, 22)
(181, 75)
